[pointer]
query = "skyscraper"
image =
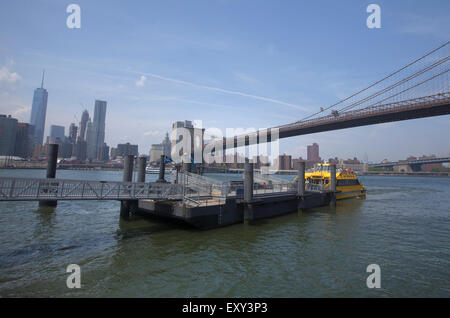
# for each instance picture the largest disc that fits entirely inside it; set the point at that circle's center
(313, 153)
(167, 146)
(73, 130)
(24, 140)
(91, 148)
(56, 132)
(8, 131)
(99, 125)
(83, 123)
(39, 111)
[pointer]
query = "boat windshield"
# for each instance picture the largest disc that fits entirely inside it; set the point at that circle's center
(323, 168)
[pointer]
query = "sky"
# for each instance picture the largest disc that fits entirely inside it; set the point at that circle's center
(229, 63)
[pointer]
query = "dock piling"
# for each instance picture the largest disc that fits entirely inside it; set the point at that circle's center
(127, 206)
(128, 165)
(333, 183)
(301, 186)
(142, 164)
(51, 172)
(187, 167)
(248, 192)
(162, 169)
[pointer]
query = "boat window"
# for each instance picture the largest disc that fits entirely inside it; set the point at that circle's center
(347, 182)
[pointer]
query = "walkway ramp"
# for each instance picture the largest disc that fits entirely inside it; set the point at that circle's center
(28, 189)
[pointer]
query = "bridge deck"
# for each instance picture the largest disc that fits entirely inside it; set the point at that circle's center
(411, 162)
(421, 107)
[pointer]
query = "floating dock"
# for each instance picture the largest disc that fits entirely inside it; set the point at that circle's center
(211, 213)
(191, 198)
(210, 204)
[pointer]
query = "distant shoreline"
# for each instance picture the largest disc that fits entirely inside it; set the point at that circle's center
(407, 174)
(44, 168)
(381, 174)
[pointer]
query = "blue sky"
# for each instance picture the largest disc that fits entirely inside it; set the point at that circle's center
(228, 63)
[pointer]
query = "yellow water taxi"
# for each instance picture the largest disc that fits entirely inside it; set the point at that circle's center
(347, 183)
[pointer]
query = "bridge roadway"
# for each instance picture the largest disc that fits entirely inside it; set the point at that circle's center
(427, 106)
(411, 162)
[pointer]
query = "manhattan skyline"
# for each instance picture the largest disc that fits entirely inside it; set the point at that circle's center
(162, 67)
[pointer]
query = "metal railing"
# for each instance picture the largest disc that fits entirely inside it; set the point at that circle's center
(200, 190)
(25, 189)
(194, 189)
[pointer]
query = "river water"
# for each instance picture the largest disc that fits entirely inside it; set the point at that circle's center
(403, 226)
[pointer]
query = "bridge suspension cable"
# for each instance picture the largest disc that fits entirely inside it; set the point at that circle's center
(405, 80)
(424, 58)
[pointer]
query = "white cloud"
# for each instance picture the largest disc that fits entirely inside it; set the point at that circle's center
(24, 111)
(7, 76)
(14, 106)
(271, 50)
(153, 133)
(243, 77)
(141, 81)
(415, 24)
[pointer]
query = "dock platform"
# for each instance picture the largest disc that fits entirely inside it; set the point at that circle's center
(208, 213)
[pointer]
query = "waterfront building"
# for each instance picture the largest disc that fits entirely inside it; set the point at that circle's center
(103, 153)
(24, 140)
(164, 148)
(126, 149)
(56, 132)
(81, 150)
(113, 153)
(313, 153)
(428, 167)
(296, 163)
(65, 149)
(196, 141)
(353, 164)
(284, 162)
(8, 132)
(155, 152)
(39, 111)
(334, 160)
